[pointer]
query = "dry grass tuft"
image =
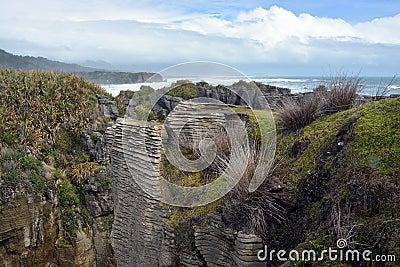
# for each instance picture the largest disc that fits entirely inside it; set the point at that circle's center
(294, 114)
(339, 94)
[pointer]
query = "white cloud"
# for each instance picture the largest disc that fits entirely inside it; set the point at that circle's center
(138, 32)
(382, 30)
(274, 26)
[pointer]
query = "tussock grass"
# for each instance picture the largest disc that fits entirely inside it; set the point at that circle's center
(294, 114)
(339, 94)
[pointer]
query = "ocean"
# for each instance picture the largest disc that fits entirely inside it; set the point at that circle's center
(368, 85)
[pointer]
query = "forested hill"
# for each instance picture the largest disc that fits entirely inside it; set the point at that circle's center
(10, 61)
(15, 62)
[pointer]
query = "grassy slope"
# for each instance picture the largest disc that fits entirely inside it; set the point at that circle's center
(343, 169)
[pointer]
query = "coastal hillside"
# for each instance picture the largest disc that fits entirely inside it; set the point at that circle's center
(340, 181)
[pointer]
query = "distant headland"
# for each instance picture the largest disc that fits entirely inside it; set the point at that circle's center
(98, 76)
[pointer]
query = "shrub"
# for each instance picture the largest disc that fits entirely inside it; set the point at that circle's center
(67, 194)
(9, 138)
(185, 91)
(58, 175)
(81, 171)
(11, 176)
(16, 165)
(39, 183)
(244, 210)
(45, 102)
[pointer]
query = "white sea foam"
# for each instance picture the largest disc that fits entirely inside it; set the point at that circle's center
(114, 89)
(280, 80)
(296, 85)
(393, 87)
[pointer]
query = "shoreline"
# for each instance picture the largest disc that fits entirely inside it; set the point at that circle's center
(296, 84)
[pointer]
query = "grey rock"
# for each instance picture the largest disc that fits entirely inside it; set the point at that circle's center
(108, 107)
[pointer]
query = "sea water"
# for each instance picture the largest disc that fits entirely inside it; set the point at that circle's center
(368, 85)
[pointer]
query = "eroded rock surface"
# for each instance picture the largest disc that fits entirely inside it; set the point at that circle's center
(139, 223)
(141, 235)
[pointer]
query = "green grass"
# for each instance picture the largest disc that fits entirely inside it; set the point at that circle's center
(374, 142)
(320, 135)
(376, 145)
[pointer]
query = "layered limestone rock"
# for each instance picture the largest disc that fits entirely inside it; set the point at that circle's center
(139, 223)
(31, 232)
(221, 246)
(194, 120)
(99, 202)
(141, 235)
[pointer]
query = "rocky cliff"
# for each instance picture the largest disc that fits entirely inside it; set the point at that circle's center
(33, 224)
(31, 232)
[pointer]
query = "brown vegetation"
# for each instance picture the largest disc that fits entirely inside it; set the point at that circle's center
(339, 94)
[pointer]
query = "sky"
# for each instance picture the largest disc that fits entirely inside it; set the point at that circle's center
(264, 38)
